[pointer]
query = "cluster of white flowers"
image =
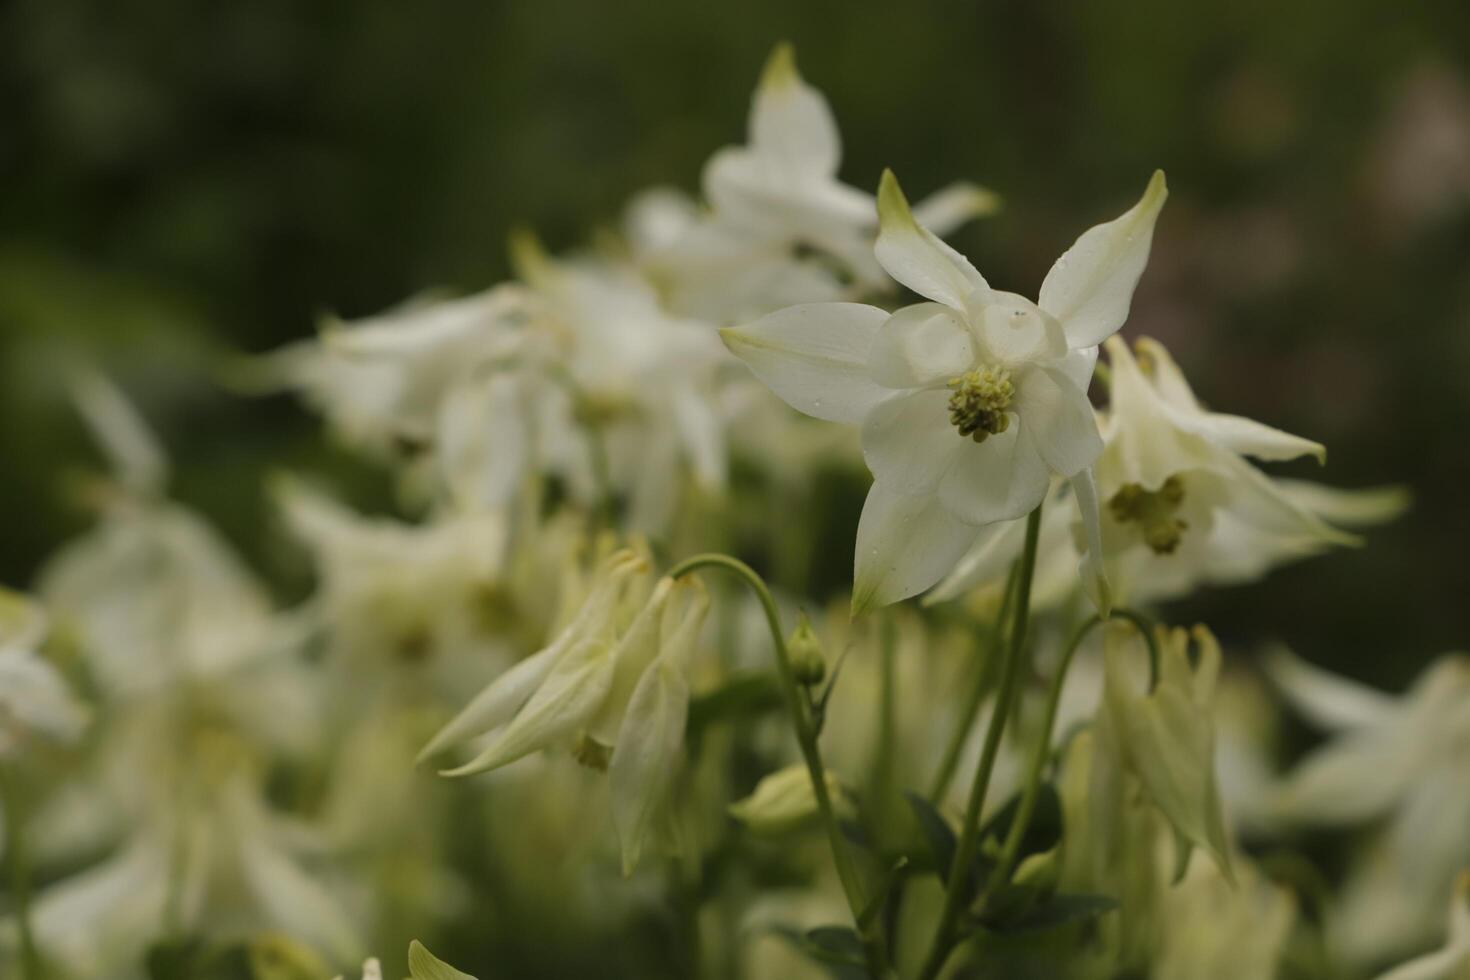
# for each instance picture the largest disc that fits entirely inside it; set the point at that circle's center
(1026, 750)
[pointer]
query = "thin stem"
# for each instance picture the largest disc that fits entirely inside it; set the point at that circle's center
(950, 761)
(884, 756)
(959, 872)
(20, 874)
(806, 738)
(1012, 846)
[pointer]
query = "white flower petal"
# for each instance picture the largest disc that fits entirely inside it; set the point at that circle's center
(1091, 286)
(908, 441)
(294, 901)
(1000, 479)
(1349, 508)
(987, 560)
(791, 123)
(1060, 418)
(1327, 700)
(916, 257)
(904, 545)
(138, 461)
(1013, 329)
(949, 207)
(1250, 438)
(919, 345)
(815, 357)
(497, 703)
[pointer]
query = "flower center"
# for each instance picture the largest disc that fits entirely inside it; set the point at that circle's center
(1153, 511)
(978, 406)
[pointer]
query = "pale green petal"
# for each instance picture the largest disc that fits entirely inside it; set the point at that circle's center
(566, 701)
(1348, 508)
(1092, 571)
(908, 441)
(1091, 286)
(920, 345)
(424, 965)
(785, 801)
(791, 123)
(916, 257)
(295, 902)
(815, 357)
(498, 702)
(1060, 418)
(949, 207)
(904, 545)
(645, 756)
(1000, 479)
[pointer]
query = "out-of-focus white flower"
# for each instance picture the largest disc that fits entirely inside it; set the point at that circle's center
(1215, 929)
(410, 590)
(967, 404)
(783, 228)
(641, 380)
(1400, 760)
(1452, 961)
(35, 702)
(380, 381)
(1182, 505)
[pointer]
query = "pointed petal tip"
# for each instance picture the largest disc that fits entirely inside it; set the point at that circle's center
(780, 67)
(893, 206)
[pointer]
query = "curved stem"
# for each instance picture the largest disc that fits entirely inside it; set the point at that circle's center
(1012, 846)
(951, 758)
(806, 738)
(20, 877)
(959, 872)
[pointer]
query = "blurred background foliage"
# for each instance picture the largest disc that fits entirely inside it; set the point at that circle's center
(182, 182)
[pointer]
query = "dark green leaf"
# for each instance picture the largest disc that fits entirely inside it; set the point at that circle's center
(1055, 912)
(937, 833)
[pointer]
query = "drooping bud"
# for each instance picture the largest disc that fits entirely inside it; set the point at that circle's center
(785, 801)
(805, 649)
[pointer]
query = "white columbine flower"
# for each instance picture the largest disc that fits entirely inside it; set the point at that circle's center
(1182, 505)
(783, 229)
(967, 404)
(1397, 760)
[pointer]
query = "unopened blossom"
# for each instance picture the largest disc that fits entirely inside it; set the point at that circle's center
(1396, 764)
(782, 228)
(785, 800)
(969, 403)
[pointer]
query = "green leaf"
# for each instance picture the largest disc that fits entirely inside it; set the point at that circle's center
(838, 948)
(1044, 830)
(1057, 911)
(937, 833)
(424, 965)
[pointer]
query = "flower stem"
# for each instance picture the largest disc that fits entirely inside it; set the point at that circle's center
(1012, 846)
(983, 670)
(20, 874)
(959, 872)
(806, 737)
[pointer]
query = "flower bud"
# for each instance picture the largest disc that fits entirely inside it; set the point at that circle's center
(807, 662)
(784, 801)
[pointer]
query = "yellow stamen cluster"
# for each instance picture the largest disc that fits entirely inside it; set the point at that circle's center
(1153, 511)
(978, 406)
